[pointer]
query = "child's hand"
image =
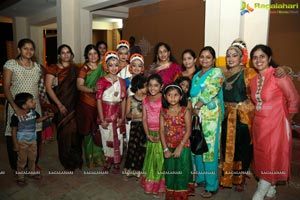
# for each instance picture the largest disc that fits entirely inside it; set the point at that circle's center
(168, 154)
(104, 124)
(153, 139)
(50, 115)
(16, 147)
(177, 152)
(119, 122)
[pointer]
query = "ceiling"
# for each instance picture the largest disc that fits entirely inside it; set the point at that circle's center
(112, 8)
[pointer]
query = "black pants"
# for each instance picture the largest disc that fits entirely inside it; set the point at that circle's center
(13, 156)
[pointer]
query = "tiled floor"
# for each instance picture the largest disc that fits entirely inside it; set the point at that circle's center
(82, 186)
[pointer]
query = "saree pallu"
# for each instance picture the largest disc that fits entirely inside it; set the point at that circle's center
(153, 179)
(237, 140)
(112, 139)
(87, 126)
(136, 149)
(68, 139)
(178, 174)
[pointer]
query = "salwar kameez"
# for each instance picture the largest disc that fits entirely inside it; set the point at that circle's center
(208, 90)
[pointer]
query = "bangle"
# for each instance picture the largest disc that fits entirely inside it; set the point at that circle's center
(182, 143)
(196, 107)
(166, 149)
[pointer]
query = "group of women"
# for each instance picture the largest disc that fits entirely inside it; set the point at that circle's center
(244, 110)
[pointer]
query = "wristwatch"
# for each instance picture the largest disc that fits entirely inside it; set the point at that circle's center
(196, 107)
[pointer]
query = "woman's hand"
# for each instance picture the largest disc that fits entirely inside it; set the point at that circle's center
(62, 109)
(20, 112)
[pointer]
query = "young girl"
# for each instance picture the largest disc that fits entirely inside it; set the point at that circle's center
(185, 83)
(175, 130)
(123, 54)
(136, 67)
(153, 180)
(137, 143)
(110, 95)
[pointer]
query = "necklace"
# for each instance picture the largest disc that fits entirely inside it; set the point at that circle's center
(113, 81)
(27, 66)
(228, 85)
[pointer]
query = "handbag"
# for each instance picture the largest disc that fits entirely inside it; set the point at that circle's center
(198, 142)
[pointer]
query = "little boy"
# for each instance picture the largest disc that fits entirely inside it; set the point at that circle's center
(124, 54)
(24, 136)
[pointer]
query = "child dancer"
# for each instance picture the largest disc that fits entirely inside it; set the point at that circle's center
(123, 54)
(153, 179)
(137, 143)
(110, 95)
(136, 67)
(175, 130)
(24, 136)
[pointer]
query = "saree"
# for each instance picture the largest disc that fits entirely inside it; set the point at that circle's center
(111, 95)
(87, 119)
(68, 139)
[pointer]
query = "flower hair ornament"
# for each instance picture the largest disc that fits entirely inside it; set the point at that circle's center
(136, 56)
(108, 55)
(242, 46)
(123, 43)
(139, 57)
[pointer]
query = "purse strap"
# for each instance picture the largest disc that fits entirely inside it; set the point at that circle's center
(195, 123)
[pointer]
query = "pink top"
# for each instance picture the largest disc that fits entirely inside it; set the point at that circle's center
(274, 99)
(153, 111)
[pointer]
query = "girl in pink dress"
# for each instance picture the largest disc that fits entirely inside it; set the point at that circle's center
(153, 179)
(276, 102)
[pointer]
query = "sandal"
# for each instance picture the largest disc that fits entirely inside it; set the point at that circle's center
(106, 169)
(21, 182)
(270, 198)
(36, 177)
(116, 170)
(207, 194)
(239, 188)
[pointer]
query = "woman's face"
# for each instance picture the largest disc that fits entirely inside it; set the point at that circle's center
(26, 51)
(65, 55)
(260, 60)
(233, 59)
(136, 67)
(188, 60)
(93, 56)
(113, 66)
(163, 54)
(102, 49)
(206, 60)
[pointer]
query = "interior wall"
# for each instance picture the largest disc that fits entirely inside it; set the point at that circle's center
(175, 22)
(284, 39)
